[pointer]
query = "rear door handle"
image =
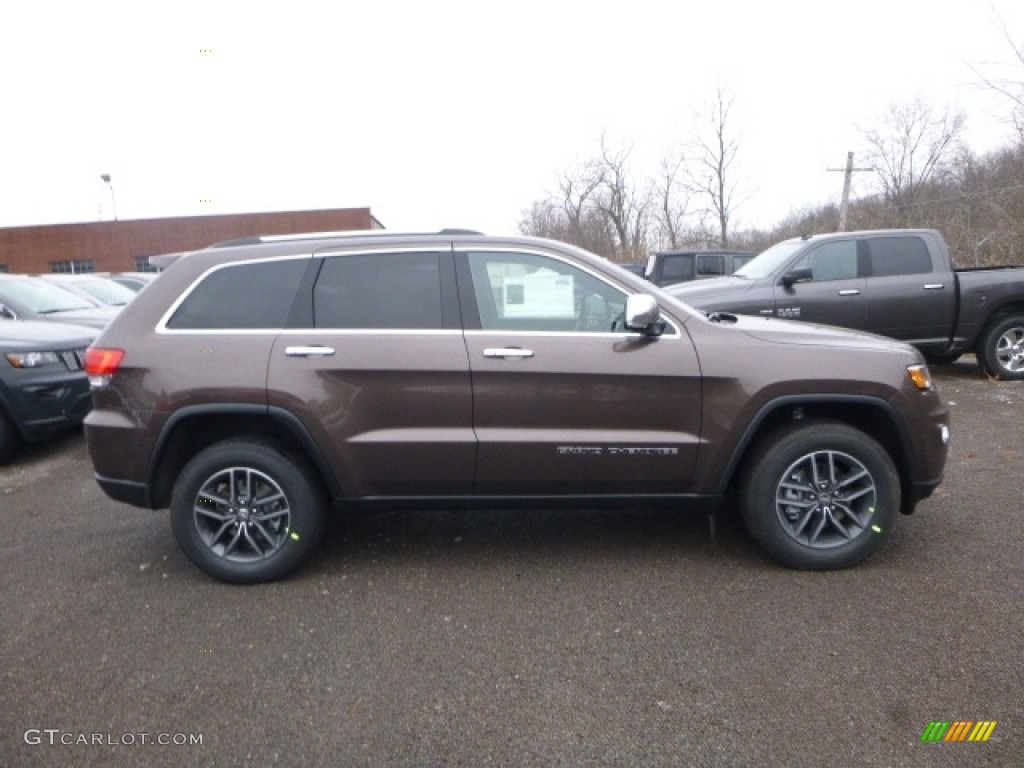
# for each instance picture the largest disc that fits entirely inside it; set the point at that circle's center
(508, 352)
(850, 292)
(934, 286)
(311, 351)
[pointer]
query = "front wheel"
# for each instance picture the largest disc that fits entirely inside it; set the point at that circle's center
(245, 511)
(1001, 352)
(819, 495)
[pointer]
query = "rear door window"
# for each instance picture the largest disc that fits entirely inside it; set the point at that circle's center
(379, 290)
(899, 256)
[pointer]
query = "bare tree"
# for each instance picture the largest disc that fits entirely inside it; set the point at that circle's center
(576, 188)
(1011, 88)
(623, 205)
(671, 201)
(908, 153)
(716, 153)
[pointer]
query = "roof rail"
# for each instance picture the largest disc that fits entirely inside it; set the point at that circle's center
(257, 239)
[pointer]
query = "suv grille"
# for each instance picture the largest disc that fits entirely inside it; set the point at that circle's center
(74, 359)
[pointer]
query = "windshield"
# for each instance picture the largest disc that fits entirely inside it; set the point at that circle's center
(768, 262)
(106, 291)
(41, 297)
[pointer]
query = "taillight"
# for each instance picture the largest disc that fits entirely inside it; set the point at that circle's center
(101, 364)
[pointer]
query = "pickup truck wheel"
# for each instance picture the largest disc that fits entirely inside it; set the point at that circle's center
(246, 512)
(819, 495)
(1001, 352)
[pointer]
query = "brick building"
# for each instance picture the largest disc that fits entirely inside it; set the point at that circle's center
(125, 246)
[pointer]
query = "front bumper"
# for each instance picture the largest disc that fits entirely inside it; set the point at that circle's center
(43, 405)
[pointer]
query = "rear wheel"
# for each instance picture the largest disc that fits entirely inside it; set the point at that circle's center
(245, 511)
(819, 495)
(1001, 352)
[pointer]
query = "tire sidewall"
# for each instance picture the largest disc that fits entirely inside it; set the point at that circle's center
(305, 501)
(757, 497)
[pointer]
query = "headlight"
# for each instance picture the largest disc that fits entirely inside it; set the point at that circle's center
(921, 377)
(32, 359)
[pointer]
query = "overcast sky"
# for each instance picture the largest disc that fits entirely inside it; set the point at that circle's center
(449, 113)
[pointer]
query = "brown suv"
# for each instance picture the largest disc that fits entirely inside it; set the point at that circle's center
(255, 382)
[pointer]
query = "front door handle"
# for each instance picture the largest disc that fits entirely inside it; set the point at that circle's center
(934, 286)
(311, 351)
(850, 292)
(508, 352)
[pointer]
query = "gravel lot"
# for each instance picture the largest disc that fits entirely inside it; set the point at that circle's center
(615, 637)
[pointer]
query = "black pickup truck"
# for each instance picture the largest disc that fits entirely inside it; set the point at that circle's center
(899, 283)
(670, 267)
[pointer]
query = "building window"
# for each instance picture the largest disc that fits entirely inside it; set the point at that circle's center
(4, 268)
(142, 265)
(72, 267)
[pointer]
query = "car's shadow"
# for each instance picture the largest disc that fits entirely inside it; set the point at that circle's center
(28, 454)
(360, 537)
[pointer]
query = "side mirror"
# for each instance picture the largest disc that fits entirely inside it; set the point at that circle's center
(796, 276)
(643, 314)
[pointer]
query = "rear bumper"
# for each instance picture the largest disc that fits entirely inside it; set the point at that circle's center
(125, 491)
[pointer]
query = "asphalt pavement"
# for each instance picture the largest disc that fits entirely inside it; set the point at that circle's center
(587, 638)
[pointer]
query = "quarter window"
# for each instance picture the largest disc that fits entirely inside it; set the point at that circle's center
(710, 264)
(523, 291)
(379, 290)
(677, 268)
(242, 296)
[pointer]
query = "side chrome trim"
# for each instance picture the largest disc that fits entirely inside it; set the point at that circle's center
(508, 353)
(309, 351)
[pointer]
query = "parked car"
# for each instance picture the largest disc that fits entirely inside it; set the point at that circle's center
(136, 281)
(899, 283)
(251, 385)
(679, 266)
(23, 297)
(43, 385)
(101, 291)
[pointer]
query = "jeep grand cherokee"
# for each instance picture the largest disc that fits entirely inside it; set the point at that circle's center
(257, 383)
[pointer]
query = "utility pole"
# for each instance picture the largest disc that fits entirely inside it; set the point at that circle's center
(844, 205)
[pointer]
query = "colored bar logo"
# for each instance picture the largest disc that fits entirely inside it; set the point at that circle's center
(958, 730)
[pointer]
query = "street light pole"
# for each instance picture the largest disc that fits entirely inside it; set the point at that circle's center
(113, 205)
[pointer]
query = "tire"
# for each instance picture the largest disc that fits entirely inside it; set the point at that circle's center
(834, 522)
(9, 437)
(1001, 352)
(233, 540)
